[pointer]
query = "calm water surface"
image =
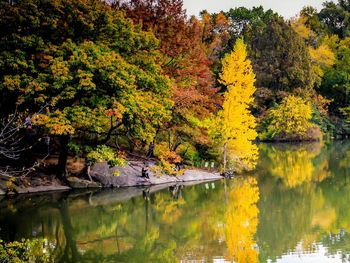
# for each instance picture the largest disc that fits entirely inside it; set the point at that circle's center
(294, 208)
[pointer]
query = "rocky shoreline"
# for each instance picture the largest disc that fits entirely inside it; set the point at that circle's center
(105, 177)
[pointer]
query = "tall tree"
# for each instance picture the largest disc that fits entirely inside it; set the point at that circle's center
(245, 20)
(321, 55)
(235, 125)
(280, 57)
(335, 82)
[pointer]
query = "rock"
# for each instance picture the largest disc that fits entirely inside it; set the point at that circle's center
(130, 175)
(199, 175)
(3, 186)
(77, 183)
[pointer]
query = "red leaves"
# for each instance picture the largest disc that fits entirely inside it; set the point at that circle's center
(181, 41)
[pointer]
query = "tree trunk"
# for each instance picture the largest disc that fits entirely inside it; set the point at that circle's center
(62, 160)
(169, 139)
(150, 153)
(88, 173)
(225, 156)
(176, 146)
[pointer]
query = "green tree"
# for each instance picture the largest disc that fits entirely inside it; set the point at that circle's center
(100, 76)
(335, 83)
(280, 58)
(336, 17)
(245, 21)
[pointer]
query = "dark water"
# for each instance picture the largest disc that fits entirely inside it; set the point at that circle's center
(294, 208)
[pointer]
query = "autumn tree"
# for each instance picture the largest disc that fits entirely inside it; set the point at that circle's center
(299, 25)
(216, 36)
(185, 61)
(335, 84)
(221, 30)
(279, 56)
(234, 126)
(312, 20)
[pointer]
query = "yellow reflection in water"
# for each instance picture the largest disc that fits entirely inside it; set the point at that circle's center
(241, 220)
(295, 166)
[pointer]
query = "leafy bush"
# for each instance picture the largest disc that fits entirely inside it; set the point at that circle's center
(23, 251)
(188, 153)
(290, 120)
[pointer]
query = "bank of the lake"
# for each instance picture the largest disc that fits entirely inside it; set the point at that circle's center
(103, 176)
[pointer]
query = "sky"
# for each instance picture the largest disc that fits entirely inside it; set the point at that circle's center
(286, 8)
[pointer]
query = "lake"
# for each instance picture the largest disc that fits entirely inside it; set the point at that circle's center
(294, 208)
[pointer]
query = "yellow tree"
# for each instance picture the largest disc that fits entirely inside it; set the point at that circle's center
(235, 123)
(322, 58)
(299, 26)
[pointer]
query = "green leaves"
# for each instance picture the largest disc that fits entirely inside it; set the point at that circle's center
(106, 154)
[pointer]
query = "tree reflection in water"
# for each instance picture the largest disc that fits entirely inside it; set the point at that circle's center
(241, 220)
(297, 200)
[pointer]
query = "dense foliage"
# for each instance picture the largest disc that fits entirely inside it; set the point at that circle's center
(107, 79)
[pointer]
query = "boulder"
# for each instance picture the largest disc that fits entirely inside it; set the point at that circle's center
(129, 175)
